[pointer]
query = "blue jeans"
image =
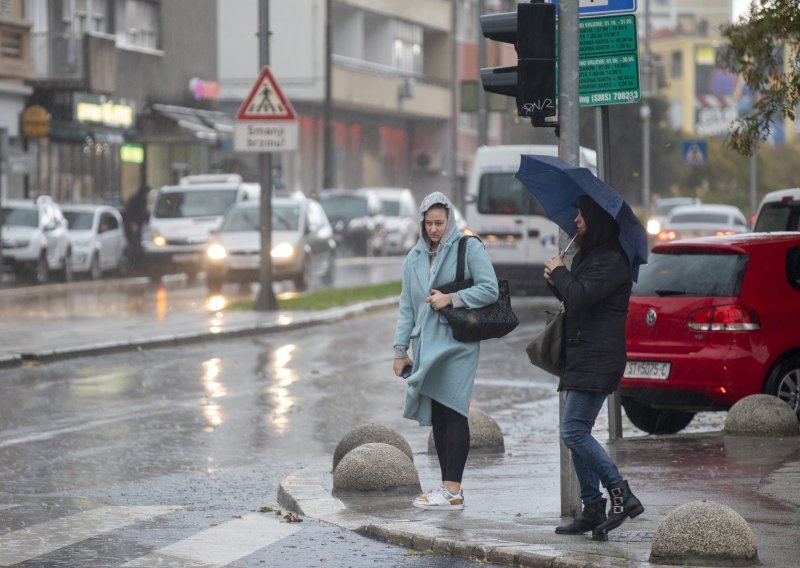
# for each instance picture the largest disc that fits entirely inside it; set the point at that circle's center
(592, 464)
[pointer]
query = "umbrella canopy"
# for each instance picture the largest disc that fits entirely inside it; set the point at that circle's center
(556, 185)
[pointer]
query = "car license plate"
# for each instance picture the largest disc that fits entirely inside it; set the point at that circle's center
(245, 262)
(186, 257)
(647, 370)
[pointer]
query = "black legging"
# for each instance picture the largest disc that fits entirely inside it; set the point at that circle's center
(451, 436)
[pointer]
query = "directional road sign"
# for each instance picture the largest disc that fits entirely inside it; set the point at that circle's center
(266, 121)
(602, 7)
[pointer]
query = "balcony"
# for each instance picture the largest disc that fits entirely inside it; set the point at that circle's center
(15, 49)
(87, 62)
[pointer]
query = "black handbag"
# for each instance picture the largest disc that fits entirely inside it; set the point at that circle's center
(489, 322)
(546, 350)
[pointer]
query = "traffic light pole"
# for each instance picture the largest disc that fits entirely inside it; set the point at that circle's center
(568, 150)
(265, 301)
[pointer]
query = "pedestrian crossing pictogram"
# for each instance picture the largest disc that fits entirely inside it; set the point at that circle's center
(266, 101)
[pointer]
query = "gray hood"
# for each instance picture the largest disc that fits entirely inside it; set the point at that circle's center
(429, 201)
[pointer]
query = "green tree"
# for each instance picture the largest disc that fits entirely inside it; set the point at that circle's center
(759, 47)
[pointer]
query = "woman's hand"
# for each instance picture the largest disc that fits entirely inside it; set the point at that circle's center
(438, 300)
(549, 266)
(400, 364)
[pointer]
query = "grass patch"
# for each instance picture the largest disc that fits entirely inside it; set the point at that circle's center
(324, 299)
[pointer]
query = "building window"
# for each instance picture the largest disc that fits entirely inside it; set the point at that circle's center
(86, 15)
(677, 64)
(137, 23)
(5, 8)
(407, 51)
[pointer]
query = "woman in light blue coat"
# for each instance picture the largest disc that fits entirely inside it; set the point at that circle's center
(443, 369)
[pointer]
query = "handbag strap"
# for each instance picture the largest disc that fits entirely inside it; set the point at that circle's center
(462, 251)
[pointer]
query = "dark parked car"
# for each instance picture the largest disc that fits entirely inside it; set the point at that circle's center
(357, 219)
(711, 321)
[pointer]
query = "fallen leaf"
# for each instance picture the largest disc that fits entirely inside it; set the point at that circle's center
(265, 509)
(292, 518)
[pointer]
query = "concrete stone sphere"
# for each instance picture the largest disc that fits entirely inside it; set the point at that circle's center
(376, 467)
(484, 433)
(761, 415)
(366, 434)
(704, 533)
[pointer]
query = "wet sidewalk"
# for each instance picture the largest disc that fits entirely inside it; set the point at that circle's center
(512, 501)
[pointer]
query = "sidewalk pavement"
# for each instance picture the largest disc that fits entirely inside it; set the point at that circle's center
(512, 499)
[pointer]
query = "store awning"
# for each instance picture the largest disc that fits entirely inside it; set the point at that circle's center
(209, 125)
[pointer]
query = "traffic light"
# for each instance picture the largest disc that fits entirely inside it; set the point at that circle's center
(532, 81)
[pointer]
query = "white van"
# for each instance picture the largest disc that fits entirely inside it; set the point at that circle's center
(779, 211)
(515, 230)
(183, 216)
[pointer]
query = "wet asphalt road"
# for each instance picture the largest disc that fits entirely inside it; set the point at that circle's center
(201, 435)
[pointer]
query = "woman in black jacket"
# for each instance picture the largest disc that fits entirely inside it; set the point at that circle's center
(595, 294)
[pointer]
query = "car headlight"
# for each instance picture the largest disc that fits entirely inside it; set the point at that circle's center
(20, 243)
(357, 223)
(158, 240)
(216, 252)
(283, 250)
(653, 226)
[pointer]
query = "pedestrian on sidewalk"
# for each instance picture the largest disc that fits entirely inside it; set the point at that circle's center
(443, 369)
(595, 292)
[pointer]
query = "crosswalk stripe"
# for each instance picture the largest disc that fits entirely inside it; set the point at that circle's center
(25, 544)
(219, 545)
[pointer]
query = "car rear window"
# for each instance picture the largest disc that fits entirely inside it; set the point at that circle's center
(204, 203)
(20, 217)
(715, 218)
(503, 194)
(390, 208)
(778, 216)
(79, 221)
(691, 274)
(344, 207)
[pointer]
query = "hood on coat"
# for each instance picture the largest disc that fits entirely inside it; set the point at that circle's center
(600, 226)
(429, 201)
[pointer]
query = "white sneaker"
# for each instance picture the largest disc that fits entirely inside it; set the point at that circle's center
(441, 499)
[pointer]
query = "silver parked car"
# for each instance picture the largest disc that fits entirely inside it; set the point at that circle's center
(303, 246)
(98, 240)
(400, 217)
(702, 220)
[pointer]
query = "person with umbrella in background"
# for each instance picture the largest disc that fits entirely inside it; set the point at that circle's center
(595, 291)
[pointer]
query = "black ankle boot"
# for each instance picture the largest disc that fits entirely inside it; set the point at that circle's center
(624, 504)
(590, 518)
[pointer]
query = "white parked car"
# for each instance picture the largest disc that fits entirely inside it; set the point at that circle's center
(779, 211)
(303, 246)
(703, 220)
(98, 240)
(35, 242)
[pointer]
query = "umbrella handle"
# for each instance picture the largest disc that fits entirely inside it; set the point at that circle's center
(564, 252)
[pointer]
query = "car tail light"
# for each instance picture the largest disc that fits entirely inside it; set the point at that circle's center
(723, 233)
(723, 318)
(667, 236)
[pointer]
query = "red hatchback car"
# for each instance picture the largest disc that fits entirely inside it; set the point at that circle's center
(711, 321)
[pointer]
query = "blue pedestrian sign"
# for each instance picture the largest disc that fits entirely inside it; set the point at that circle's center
(694, 152)
(602, 7)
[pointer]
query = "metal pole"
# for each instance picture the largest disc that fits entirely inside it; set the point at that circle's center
(568, 150)
(3, 188)
(645, 111)
(753, 182)
(483, 115)
(328, 180)
(458, 194)
(266, 296)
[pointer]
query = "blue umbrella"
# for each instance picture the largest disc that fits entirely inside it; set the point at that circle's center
(556, 185)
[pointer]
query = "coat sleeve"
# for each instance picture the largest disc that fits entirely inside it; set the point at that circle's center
(596, 280)
(484, 290)
(406, 315)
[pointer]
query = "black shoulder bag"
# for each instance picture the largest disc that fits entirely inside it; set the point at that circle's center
(488, 322)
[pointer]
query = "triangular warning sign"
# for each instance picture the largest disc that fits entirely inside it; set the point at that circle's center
(266, 101)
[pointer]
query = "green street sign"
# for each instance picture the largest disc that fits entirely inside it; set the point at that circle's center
(609, 80)
(614, 34)
(608, 61)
